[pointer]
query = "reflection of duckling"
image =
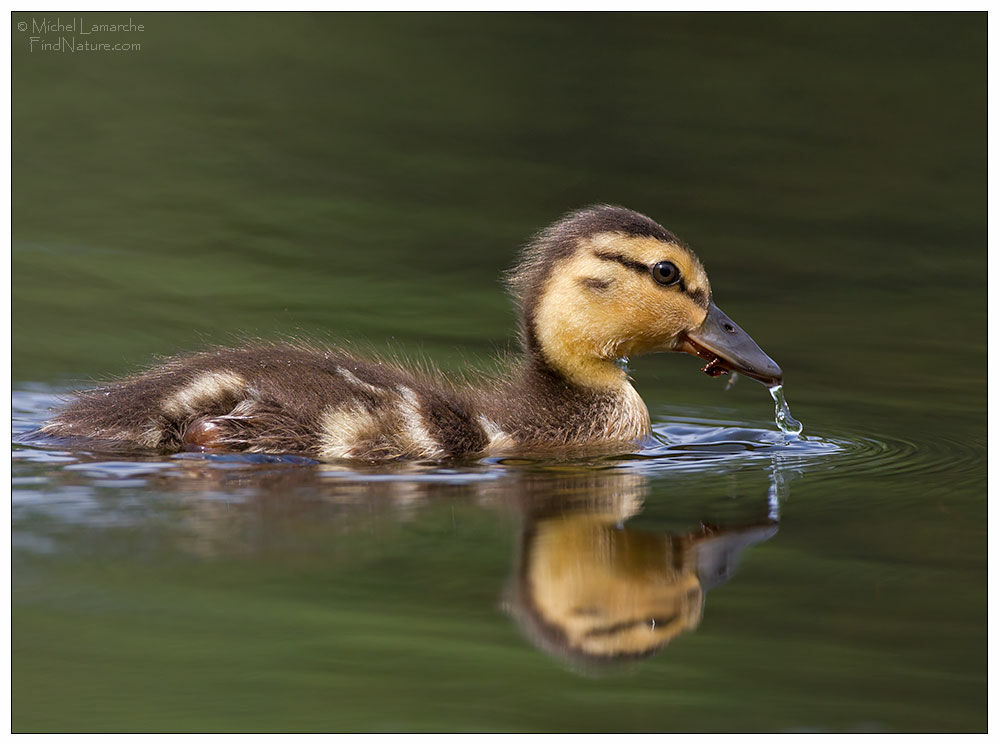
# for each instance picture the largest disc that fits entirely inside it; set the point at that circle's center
(590, 590)
(610, 592)
(599, 285)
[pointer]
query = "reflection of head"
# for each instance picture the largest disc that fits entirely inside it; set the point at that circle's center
(587, 589)
(592, 591)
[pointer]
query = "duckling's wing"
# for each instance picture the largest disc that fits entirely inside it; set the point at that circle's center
(277, 400)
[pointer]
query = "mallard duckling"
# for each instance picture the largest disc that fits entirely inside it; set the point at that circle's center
(600, 285)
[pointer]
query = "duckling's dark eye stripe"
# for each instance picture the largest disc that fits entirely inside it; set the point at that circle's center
(699, 296)
(637, 266)
(623, 260)
(595, 284)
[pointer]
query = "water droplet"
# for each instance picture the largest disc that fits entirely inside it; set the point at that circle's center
(782, 413)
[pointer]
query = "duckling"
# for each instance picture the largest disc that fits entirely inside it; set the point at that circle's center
(599, 285)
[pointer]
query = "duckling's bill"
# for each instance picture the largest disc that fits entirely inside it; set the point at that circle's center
(728, 348)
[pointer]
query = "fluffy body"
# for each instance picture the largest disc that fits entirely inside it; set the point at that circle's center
(285, 398)
(585, 297)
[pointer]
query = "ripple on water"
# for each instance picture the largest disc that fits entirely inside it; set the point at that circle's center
(694, 443)
(678, 443)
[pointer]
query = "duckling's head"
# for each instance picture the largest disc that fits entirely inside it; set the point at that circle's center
(605, 283)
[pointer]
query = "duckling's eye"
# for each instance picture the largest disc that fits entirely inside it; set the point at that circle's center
(666, 273)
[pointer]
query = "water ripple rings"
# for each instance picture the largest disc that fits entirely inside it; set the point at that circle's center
(677, 443)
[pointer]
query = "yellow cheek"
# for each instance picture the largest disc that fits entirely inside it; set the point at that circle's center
(648, 319)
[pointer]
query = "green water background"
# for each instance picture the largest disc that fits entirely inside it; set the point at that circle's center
(369, 177)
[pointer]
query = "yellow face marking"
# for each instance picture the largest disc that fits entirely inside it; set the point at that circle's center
(584, 326)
